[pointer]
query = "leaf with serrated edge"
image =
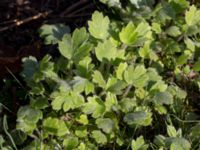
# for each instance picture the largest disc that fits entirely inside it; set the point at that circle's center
(98, 78)
(106, 50)
(106, 124)
(94, 106)
(99, 26)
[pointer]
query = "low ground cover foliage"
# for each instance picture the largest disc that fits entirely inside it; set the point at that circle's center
(118, 84)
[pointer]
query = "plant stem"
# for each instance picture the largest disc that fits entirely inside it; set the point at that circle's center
(5, 127)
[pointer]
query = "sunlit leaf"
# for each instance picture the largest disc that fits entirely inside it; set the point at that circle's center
(70, 143)
(136, 76)
(173, 31)
(99, 137)
(139, 144)
(106, 50)
(99, 25)
(98, 78)
(192, 16)
(94, 106)
(54, 126)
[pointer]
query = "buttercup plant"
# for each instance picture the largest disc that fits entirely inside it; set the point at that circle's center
(117, 83)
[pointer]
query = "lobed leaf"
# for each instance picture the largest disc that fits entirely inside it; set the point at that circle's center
(99, 26)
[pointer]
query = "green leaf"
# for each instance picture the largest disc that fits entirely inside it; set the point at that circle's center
(75, 47)
(81, 132)
(65, 47)
(136, 76)
(76, 101)
(54, 126)
(39, 103)
(82, 52)
(66, 100)
(106, 50)
(180, 5)
(37, 144)
(139, 144)
(99, 137)
(142, 29)
(98, 78)
(138, 118)
(196, 66)
(182, 59)
(27, 118)
(156, 27)
(191, 30)
(70, 143)
(81, 48)
(160, 140)
(127, 105)
(173, 31)
(145, 51)
(85, 67)
(115, 86)
(192, 16)
(94, 106)
(18, 136)
(30, 66)
(128, 34)
(53, 33)
(112, 3)
(89, 88)
(163, 98)
(159, 86)
(1, 140)
(80, 84)
(186, 69)
(82, 146)
(99, 26)
(47, 69)
(178, 144)
(160, 109)
(131, 35)
(195, 131)
(136, 3)
(190, 44)
(181, 94)
(83, 119)
(111, 100)
(153, 74)
(171, 131)
(141, 93)
(106, 124)
(79, 37)
(139, 3)
(120, 70)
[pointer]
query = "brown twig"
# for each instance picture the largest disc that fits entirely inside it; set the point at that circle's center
(78, 15)
(8, 22)
(72, 7)
(81, 9)
(20, 22)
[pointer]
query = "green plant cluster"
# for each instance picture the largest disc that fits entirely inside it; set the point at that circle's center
(116, 85)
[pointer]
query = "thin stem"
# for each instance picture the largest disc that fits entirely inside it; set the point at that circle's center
(71, 8)
(127, 90)
(5, 127)
(15, 78)
(185, 121)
